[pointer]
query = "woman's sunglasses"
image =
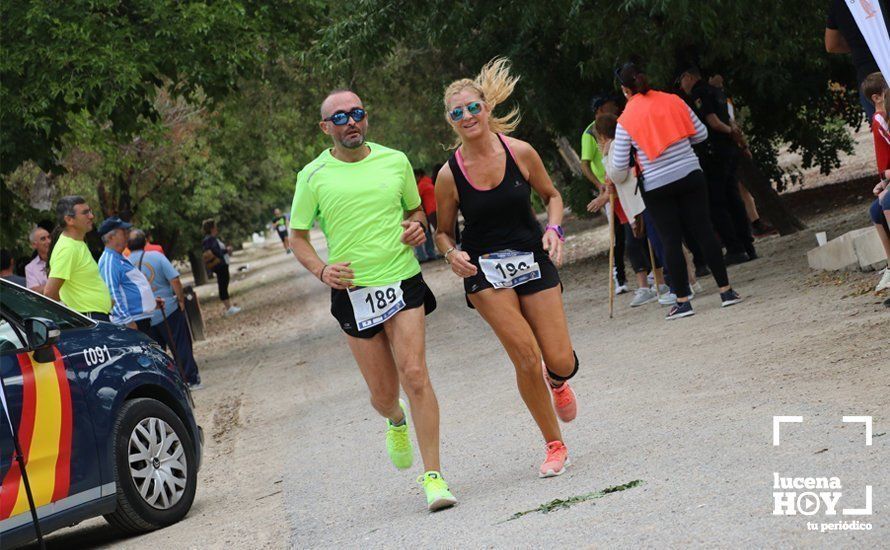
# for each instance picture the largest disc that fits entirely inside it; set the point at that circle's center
(474, 108)
(341, 118)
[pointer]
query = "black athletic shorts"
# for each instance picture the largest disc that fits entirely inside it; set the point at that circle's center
(282, 235)
(549, 278)
(414, 292)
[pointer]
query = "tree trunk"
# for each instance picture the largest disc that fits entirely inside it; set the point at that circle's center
(124, 198)
(769, 203)
(42, 192)
(569, 156)
(199, 272)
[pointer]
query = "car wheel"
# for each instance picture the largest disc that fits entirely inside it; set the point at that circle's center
(154, 467)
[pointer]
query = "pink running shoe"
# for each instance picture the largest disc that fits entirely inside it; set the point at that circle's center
(564, 402)
(556, 461)
(563, 399)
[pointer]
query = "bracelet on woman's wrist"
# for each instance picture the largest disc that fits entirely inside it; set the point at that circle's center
(447, 252)
(321, 275)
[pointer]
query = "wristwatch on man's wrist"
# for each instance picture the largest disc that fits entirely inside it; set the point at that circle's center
(558, 230)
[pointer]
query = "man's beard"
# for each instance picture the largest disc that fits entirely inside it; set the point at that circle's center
(353, 142)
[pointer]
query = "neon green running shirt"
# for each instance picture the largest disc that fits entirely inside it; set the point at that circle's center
(83, 289)
(590, 151)
(360, 207)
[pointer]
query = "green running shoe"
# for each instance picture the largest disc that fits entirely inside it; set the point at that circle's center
(398, 442)
(437, 494)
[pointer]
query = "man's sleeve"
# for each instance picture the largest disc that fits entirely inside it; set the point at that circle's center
(410, 195)
(707, 104)
(304, 209)
(31, 276)
(60, 264)
(111, 274)
(167, 267)
(587, 145)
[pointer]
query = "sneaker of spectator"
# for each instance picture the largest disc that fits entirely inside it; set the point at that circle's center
(885, 280)
(680, 310)
(642, 296)
(733, 258)
(666, 298)
(729, 298)
(761, 229)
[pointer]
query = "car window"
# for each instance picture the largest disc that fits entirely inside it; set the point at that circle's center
(19, 304)
(9, 338)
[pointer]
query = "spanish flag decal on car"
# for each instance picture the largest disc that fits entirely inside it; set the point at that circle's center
(44, 432)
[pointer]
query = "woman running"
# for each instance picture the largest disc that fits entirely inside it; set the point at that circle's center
(506, 260)
(660, 129)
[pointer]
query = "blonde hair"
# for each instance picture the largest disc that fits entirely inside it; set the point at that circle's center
(494, 84)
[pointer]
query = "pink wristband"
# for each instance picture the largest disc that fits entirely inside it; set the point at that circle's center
(558, 230)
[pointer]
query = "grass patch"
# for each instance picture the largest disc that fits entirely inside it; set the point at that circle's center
(561, 504)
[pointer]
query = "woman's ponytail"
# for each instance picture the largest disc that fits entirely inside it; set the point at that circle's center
(642, 83)
(633, 78)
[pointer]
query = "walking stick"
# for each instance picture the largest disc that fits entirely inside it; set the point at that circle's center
(652, 261)
(20, 459)
(611, 254)
(173, 346)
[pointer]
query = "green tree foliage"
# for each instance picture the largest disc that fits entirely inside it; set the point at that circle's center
(67, 65)
(163, 179)
(102, 88)
(109, 57)
(770, 53)
(261, 137)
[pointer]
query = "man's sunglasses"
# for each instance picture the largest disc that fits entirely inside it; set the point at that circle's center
(341, 118)
(474, 108)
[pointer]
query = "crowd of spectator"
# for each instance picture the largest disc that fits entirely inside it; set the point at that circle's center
(133, 284)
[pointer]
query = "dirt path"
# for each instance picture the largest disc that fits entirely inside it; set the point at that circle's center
(295, 454)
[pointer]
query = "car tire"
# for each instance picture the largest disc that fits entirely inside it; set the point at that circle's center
(140, 422)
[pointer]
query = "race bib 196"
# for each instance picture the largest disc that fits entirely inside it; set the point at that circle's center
(508, 268)
(373, 305)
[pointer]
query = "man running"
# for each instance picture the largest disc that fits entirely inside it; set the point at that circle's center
(279, 224)
(370, 212)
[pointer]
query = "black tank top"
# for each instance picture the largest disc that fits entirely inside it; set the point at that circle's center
(499, 218)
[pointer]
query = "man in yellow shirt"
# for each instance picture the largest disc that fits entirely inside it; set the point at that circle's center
(366, 202)
(73, 273)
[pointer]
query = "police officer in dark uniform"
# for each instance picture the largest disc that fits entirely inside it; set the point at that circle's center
(719, 159)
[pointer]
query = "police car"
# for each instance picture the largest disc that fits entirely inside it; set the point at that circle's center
(103, 419)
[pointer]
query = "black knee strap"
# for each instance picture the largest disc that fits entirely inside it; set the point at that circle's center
(558, 378)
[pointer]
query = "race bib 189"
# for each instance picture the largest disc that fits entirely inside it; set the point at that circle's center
(373, 305)
(508, 268)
